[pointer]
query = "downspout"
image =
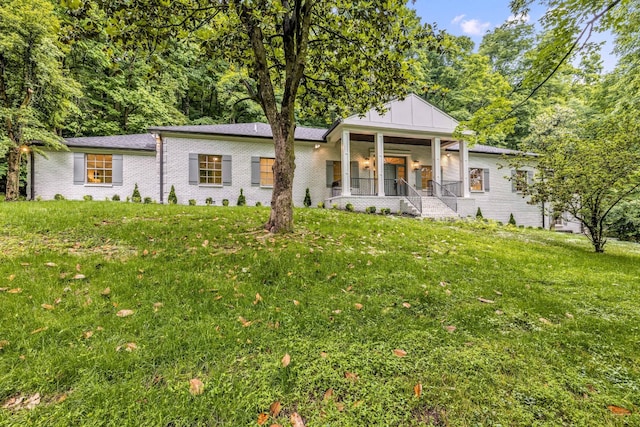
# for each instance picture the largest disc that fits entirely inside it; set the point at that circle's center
(32, 178)
(160, 148)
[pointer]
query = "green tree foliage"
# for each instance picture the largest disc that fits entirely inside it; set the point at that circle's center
(242, 200)
(463, 84)
(307, 198)
(172, 199)
(624, 221)
(588, 163)
(35, 92)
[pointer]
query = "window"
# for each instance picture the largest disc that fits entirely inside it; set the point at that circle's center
(266, 172)
(476, 179)
(210, 169)
(426, 175)
(520, 180)
(99, 168)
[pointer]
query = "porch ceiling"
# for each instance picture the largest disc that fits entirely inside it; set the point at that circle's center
(395, 139)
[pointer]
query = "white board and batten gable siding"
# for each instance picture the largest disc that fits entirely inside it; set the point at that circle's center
(412, 114)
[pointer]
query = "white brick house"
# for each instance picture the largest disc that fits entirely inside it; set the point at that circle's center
(426, 171)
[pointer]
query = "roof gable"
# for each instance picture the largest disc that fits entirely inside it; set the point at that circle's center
(412, 113)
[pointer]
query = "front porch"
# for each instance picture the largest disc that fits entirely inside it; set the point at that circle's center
(398, 160)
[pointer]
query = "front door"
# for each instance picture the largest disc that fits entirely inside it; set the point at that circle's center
(394, 169)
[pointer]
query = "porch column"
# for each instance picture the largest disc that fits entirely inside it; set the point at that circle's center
(435, 160)
(379, 152)
(345, 151)
(464, 168)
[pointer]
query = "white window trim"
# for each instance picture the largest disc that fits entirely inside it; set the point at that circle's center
(86, 171)
(207, 185)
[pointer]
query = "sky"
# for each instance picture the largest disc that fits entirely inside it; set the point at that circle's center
(473, 18)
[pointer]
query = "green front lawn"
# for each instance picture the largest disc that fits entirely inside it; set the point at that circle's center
(214, 298)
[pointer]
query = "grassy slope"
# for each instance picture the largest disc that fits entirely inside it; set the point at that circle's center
(494, 369)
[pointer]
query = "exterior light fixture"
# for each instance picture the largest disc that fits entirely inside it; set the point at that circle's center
(24, 149)
(416, 165)
(448, 154)
(317, 146)
(366, 163)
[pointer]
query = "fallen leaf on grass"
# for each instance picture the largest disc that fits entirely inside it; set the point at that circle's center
(328, 394)
(296, 302)
(258, 299)
(196, 387)
(262, 418)
(275, 408)
(498, 293)
(450, 328)
(3, 344)
(545, 321)
(406, 305)
(3, 289)
(486, 301)
(79, 277)
(296, 420)
(400, 353)
(245, 322)
(499, 312)
(351, 376)
(130, 346)
(47, 306)
(337, 311)
(157, 306)
(447, 291)
(78, 268)
(417, 390)
(37, 331)
(50, 264)
(11, 277)
(618, 410)
(286, 359)
(124, 313)
(358, 306)
(324, 354)
(569, 315)
(14, 291)
(22, 402)
(340, 406)
(87, 334)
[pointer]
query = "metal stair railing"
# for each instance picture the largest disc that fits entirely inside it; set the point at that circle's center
(410, 194)
(444, 195)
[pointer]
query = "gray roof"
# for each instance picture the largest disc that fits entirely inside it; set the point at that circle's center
(257, 130)
(485, 149)
(143, 141)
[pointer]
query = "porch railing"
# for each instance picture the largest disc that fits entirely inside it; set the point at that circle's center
(410, 194)
(454, 187)
(359, 187)
(445, 195)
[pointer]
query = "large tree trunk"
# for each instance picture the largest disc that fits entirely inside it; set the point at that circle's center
(281, 218)
(13, 174)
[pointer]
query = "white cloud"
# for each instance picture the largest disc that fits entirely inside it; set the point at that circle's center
(522, 18)
(457, 19)
(474, 27)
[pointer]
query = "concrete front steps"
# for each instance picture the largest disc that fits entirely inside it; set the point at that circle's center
(432, 207)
